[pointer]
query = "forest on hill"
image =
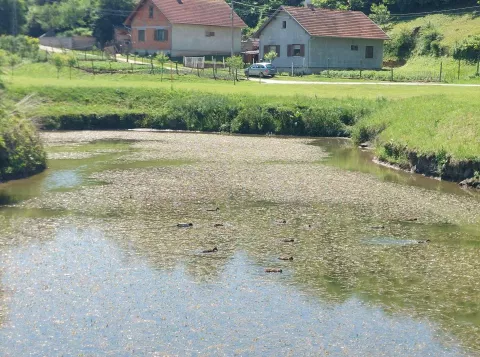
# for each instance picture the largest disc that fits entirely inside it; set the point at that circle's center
(98, 17)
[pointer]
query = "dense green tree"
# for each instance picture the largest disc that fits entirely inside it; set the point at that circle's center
(110, 13)
(7, 18)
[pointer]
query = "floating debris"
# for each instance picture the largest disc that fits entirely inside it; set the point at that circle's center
(213, 209)
(184, 225)
(285, 258)
(215, 249)
(218, 225)
(289, 240)
(377, 227)
(273, 270)
(280, 221)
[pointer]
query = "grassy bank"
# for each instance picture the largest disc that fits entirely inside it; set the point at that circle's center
(431, 135)
(120, 108)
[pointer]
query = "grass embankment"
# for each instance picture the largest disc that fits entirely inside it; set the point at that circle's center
(121, 108)
(431, 135)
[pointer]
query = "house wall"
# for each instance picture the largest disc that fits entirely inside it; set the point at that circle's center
(142, 21)
(274, 34)
(333, 52)
(320, 52)
(191, 40)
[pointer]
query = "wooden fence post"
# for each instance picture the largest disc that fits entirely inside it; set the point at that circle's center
(441, 70)
(391, 76)
(458, 76)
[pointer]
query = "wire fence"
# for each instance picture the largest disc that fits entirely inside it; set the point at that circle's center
(102, 62)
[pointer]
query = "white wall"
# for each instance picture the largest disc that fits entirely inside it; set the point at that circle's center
(274, 34)
(329, 52)
(190, 40)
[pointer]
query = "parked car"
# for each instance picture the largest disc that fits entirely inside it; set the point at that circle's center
(261, 70)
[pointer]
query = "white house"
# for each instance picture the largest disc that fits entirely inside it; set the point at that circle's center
(317, 39)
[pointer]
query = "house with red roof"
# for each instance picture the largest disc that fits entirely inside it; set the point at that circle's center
(185, 28)
(310, 39)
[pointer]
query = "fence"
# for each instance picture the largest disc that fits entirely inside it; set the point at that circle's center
(452, 72)
(194, 62)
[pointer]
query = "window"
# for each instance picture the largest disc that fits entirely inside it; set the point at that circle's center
(369, 52)
(161, 35)
(141, 35)
(209, 33)
(269, 48)
(150, 12)
(297, 50)
(284, 24)
(354, 47)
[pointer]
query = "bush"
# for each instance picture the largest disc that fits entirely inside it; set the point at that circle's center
(21, 152)
(401, 44)
(23, 46)
(428, 43)
(469, 49)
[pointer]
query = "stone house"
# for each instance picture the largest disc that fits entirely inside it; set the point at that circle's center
(312, 39)
(184, 27)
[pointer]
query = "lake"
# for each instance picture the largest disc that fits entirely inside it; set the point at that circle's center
(92, 262)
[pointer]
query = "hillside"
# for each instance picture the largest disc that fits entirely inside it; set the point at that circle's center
(453, 28)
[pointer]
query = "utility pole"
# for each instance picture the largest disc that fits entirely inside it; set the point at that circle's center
(232, 29)
(14, 18)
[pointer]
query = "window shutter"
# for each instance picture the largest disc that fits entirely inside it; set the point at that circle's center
(289, 50)
(277, 49)
(302, 50)
(165, 35)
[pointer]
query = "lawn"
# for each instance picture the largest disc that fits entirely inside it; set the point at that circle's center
(33, 77)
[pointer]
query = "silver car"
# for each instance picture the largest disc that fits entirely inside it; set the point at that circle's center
(261, 69)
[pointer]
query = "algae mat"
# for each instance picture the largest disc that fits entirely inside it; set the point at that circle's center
(93, 263)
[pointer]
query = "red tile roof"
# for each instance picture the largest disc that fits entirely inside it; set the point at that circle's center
(196, 12)
(335, 23)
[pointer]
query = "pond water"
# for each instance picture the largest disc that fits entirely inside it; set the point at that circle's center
(92, 262)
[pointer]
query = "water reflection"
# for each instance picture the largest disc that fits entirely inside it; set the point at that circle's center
(124, 263)
(80, 294)
(346, 156)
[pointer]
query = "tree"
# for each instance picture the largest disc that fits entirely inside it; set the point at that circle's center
(380, 15)
(6, 16)
(235, 63)
(270, 56)
(58, 61)
(162, 58)
(71, 62)
(13, 60)
(111, 14)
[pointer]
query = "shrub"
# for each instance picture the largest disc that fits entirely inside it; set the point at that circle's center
(428, 42)
(401, 44)
(469, 49)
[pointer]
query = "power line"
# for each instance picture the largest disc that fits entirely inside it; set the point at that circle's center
(467, 9)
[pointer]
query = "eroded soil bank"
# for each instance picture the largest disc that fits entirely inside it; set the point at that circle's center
(91, 252)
